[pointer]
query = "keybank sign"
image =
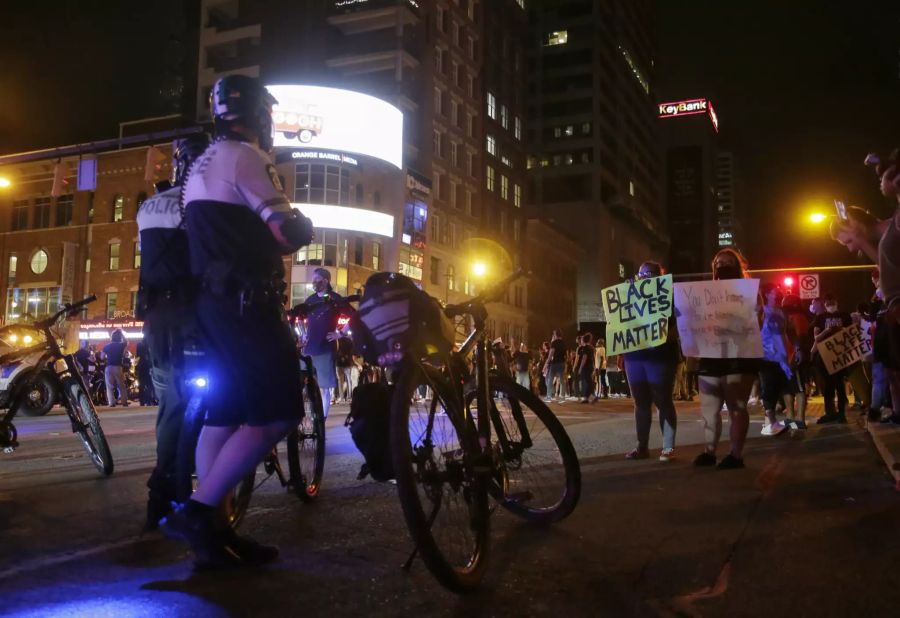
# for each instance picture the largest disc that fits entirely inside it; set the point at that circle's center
(683, 108)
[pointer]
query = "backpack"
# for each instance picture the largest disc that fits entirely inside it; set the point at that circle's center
(370, 425)
(395, 316)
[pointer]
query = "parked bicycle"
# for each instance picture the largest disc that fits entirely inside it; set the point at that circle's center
(459, 436)
(18, 367)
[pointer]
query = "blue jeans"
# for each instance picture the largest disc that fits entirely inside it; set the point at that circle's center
(651, 383)
(879, 386)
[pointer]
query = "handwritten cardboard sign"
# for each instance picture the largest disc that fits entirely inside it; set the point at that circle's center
(717, 319)
(845, 347)
(637, 314)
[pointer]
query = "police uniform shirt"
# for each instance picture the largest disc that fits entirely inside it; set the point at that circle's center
(232, 190)
(164, 246)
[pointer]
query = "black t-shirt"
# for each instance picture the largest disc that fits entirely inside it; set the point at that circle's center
(322, 319)
(521, 360)
(838, 319)
(345, 352)
(558, 347)
(115, 352)
(585, 353)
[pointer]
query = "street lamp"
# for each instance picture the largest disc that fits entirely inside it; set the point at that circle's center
(817, 217)
(479, 269)
(4, 183)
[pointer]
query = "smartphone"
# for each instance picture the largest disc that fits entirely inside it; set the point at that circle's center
(841, 210)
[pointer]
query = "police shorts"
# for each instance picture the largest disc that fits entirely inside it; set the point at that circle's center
(253, 365)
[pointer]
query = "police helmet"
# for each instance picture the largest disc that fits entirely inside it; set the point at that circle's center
(184, 152)
(239, 99)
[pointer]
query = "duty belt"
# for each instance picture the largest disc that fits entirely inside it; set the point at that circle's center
(248, 294)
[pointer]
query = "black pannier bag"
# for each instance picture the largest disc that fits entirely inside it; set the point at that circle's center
(395, 316)
(370, 423)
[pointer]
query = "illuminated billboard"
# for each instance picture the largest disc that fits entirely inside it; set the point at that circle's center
(350, 219)
(689, 107)
(339, 120)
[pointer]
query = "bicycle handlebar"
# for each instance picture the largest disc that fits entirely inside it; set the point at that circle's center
(303, 309)
(490, 295)
(68, 309)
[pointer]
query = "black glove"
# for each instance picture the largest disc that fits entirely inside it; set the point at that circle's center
(297, 229)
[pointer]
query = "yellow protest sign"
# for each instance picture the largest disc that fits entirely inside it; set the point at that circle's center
(637, 314)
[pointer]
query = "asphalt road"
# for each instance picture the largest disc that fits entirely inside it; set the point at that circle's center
(810, 527)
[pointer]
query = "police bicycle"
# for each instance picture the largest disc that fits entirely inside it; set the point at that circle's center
(479, 434)
(18, 368)
(304, 445)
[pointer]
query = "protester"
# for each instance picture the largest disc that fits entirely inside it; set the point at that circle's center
(825, 325)
(323, 334)
(775, 373)
(556, 368)
(584, 369)
(800, 359)
(600, 362)
(542, 369)
(726, 381)
(521, 362)
(114, 351)
(651, 377)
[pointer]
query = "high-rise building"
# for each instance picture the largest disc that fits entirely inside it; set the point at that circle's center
(595, 165)
(728, 220)
(462, 170)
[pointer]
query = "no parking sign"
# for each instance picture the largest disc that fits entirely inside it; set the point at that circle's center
(809, 287)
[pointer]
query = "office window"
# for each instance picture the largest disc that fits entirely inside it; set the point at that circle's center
(435, 228)
(436, 143)
(118, 208)
(434, 271)
(470, 125)
(454, 190)
(455, 30)
(114, 248)
(506, 161)
(492, 145)
(64, 209)
(517, 196)
(439, 60)
(491, 106)
(13, 263)
(517, 128)
(454, 154)
(504, 187)
(516, 229)
(586, 128)
(137, 255)
(42, 212)
(557, 37)
(111, 301)
(321, 184)
(489, 176)
(358, 251)
(470, 47)
(19, 215)
(437, 185)
(376, 255)
(504, 117)
(454, 113)
(451, 278)
(468, 202)
(470, 85)
(437, 101)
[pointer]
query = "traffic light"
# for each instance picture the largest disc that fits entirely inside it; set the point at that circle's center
(788, 282)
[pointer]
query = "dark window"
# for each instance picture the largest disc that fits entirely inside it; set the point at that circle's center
(64, 209)
(42, 212)
(142, 195)
(359, 193)
(19, 215)
(358, 251)
(434, 271)
(111, 301)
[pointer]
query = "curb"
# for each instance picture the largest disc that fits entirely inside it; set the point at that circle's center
(887, 440)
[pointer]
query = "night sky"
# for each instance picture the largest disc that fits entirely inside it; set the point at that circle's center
(803, 89)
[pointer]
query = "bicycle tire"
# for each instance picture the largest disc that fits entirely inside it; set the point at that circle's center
(306, 447)
(86, 424)
(432, 483)
(542, 482)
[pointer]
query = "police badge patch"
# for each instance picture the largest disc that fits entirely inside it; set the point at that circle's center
(273, 176)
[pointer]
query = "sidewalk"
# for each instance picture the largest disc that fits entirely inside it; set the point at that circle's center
(887, 441)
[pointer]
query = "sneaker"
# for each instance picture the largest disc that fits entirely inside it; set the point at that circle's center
(637, 453)
(548, 399)
(667, 454)
(773, 429)
(730, 462)
(798, 424)
(250, 552)
(828, 418)
(705, 459)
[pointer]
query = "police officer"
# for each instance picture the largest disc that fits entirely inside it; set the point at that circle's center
(165, 299)
(239, 225)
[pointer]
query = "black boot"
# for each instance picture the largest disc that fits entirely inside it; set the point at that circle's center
(194, 523)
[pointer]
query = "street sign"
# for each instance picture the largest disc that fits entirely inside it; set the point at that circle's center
(809, 287)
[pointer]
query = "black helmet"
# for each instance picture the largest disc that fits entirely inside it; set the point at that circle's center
(184, 152)
(244, 100)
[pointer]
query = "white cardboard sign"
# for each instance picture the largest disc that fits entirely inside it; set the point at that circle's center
(718, 319)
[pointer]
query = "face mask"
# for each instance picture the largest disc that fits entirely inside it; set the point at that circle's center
(728, 272)
(830, 308)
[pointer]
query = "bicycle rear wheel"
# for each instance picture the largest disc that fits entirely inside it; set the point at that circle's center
(444, 500)
(86, 424)
(537, 475)
(306, 446)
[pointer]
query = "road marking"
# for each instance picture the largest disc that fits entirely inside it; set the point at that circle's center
(50, 561)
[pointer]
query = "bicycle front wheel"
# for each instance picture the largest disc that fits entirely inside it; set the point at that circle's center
(86, 424)
(306, 446)
(434, 451)
(537, 475)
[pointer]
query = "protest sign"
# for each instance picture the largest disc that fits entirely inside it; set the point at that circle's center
(842, 349)
(718, 319)
(637, 314)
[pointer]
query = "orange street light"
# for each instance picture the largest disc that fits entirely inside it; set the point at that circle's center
(817, 217)
(4, 183)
